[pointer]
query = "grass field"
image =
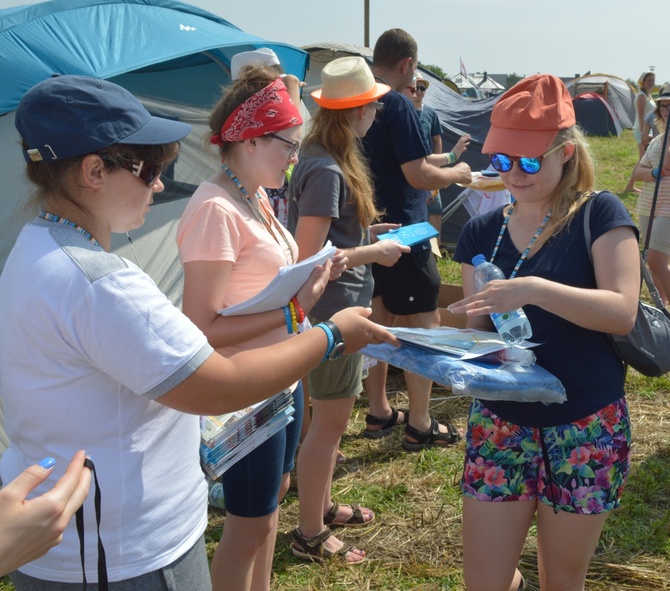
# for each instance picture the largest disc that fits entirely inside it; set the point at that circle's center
(415, 542)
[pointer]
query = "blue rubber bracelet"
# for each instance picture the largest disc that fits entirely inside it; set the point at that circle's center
(331, 338)
(287, 316)
(654, 172)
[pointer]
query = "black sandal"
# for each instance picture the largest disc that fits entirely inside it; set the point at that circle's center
(427, 439)
(386, 423)
(314, 549)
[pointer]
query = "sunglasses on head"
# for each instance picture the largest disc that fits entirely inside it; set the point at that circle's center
(295, 146)
(503, 162)
(145, 170)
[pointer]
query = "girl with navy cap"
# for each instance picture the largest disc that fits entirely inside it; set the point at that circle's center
(94, 356)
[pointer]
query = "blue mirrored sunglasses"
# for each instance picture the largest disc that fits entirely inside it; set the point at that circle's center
(503, 162)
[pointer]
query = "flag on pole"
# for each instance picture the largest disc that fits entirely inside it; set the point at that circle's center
(464, 72)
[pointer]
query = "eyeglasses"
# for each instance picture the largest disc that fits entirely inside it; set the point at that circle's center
(503, 162)
(421, 89)
(145, 170)
(377, 105)
(663, 106)
(295, 146)
(411, 89)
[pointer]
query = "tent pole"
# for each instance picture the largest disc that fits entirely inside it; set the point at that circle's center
(366, 23)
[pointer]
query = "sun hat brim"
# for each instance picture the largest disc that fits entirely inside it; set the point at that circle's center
(377, 91)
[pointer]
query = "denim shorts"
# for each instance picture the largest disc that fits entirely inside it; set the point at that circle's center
(580, 467)
(251, 485)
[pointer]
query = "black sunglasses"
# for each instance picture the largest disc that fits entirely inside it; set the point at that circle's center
(145, 170)
(295, 146)
(503, 162)
(421, 89)
(411, 89)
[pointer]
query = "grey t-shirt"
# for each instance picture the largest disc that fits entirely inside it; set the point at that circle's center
(318, 188)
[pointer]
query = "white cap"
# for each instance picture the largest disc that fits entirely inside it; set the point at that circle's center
(263, 56)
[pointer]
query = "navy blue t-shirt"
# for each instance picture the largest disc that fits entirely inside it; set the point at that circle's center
(395, 138)
(582, 359)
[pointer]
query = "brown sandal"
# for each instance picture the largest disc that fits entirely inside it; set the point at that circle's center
(314, 549)
(357, 518)
(386, 423)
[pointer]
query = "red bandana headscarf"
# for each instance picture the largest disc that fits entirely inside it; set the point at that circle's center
(270, 109)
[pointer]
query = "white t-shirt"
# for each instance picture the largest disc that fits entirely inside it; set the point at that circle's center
(88, 342)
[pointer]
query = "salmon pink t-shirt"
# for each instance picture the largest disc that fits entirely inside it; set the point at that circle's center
(216, 226)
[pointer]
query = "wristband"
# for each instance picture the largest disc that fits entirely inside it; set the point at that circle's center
(329, 335)
(449, 157)
(654, 173)
(287, 317)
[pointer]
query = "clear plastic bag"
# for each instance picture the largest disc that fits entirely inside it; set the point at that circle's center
(495, 377)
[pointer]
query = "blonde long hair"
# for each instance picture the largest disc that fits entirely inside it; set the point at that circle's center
(331, 129)
(575, 186)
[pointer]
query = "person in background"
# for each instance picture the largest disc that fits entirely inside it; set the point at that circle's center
(92, 354)
(331, 198)
(432, 128)
(562, 466)
(29, 528)
(644, 105)
(403, 170)
(648, 170)
(232, 246)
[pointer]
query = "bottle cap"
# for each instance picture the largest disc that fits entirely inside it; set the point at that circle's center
(478, 259)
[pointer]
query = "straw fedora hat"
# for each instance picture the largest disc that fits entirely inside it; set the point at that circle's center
(348, 82)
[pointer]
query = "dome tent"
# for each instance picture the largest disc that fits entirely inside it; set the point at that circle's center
(618, 94)
(595, 116)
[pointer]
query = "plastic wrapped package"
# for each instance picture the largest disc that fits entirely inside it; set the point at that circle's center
(487, 378)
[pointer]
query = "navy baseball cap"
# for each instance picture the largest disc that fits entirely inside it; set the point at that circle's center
(67, 116)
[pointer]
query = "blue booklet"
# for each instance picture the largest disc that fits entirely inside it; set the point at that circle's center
(411, 235)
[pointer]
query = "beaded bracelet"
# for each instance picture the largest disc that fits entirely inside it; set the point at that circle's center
(294, 320)
(287, 317)
(298, 308)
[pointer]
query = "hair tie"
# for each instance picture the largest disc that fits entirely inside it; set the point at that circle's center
(215, 139)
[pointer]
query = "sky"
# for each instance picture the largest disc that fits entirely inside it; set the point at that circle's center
(524, 37)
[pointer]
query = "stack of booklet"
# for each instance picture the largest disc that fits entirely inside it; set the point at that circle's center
(227, 438)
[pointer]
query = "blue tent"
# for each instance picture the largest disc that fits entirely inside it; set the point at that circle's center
(155, 48)
(173, 56)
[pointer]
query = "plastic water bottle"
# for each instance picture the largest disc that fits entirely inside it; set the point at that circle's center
(512, 326)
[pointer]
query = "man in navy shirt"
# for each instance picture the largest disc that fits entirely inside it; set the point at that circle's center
(404, 168)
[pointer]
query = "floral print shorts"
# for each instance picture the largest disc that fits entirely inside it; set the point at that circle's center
(580, 467)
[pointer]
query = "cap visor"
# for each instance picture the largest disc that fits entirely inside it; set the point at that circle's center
(377, 91)
(158, 131)
(517, 142)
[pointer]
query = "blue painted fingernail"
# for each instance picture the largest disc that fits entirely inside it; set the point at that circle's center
(47, 463)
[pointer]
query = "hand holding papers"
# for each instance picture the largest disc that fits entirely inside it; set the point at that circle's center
(463, 343)
(283, 287)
